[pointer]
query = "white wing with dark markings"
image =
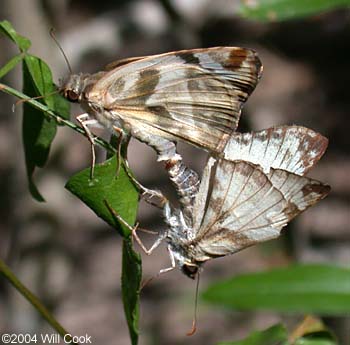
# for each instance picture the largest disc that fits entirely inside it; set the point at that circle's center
(292, 148)
(238, 205)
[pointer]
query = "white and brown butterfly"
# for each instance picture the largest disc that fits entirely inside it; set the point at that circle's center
(191, 95)
(247, 199)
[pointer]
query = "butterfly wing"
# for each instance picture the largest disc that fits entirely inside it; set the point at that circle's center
(244, 206)
(292, 148)
(300, 192)
(121, 62)
(194, 95)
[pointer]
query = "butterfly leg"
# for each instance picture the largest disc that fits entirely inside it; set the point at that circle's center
(163, 270)
(86, 121)
(134, 229)
(172, 260)
(119, 217)
(119, 146)
(156, 244)
(147, 194)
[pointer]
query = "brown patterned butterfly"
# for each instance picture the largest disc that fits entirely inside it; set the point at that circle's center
(191, 95)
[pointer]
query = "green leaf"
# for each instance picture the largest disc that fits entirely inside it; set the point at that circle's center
(38, 131)
(40, 76)
(11, 64)
(61, 106)
(7, 29)
(131, 280)
(122, 196)
(302, 288)
(279, 10)
(119, 192)
(275, 335)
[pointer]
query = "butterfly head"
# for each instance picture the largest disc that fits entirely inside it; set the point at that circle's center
(72, 87)
(182, 255)
(190, 270)
(77, 87)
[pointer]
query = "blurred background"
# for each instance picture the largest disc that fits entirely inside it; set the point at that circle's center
(71, 259)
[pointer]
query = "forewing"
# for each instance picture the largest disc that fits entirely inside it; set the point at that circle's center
(194, 95)
(292, 148)
(245, 207)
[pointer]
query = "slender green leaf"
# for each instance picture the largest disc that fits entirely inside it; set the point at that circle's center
(7, 29)
(11, 64)
(38, 131)
(275, 335)
(279, 10)
(301, 288)
(43, 85)
(131, 280)
(119, 192)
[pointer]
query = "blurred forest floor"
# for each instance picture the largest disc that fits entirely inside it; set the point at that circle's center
(71, 259)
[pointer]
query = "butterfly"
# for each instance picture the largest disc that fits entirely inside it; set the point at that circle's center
(245, 197)
(193, 95)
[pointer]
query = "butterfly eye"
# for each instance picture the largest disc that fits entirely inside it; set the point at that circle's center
(72, 96)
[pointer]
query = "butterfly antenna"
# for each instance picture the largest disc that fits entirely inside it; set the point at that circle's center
(194, 321)
(52, 34)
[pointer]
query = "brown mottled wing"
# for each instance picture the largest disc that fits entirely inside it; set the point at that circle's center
(292, 148)
(243, 206)
(194, 95)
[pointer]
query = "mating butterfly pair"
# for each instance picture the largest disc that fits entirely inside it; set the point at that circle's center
(253, 183)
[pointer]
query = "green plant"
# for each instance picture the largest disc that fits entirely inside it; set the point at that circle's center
(40, 122)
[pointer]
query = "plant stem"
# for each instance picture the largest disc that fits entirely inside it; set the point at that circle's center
(49, 113)
(31, 298)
